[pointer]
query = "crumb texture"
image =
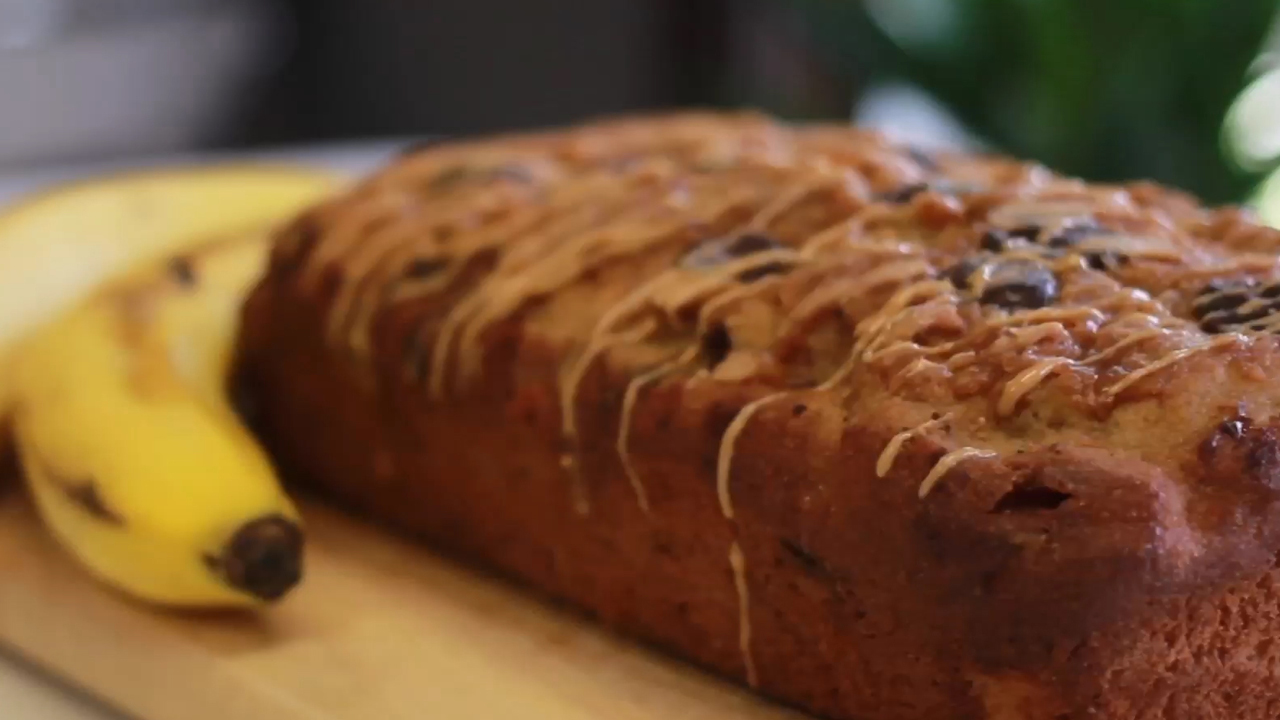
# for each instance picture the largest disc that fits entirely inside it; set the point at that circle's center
(884, 434)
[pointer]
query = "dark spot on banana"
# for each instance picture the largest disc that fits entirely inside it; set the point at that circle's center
(263, 558)
(85, 495)
(182, 271)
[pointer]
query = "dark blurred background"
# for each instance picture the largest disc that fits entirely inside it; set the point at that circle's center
(1104, 89)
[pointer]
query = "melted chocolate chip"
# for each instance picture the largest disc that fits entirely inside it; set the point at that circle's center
(1231, 304)
(751, 243)
(1213, 300)
(1270, 291)
(995, 240)
(1020, 285)
(718, 251)
(1026, 232)
(425, 267)
(1103, 260)
(960, 273)
(716, 344)
(773, 268)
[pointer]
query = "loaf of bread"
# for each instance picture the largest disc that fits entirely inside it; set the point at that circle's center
(884, 434)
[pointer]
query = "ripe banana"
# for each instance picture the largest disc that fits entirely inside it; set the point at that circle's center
(132, 451)
(137, 462)
(60, 245)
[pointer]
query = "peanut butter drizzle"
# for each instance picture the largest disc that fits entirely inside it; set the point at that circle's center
(738, 563)
(360, 259)
(629, 400)
(610, 196)
(587, 215)
(510, 279)
(946, 463)
(884, 463)
(922, 290)
(1025, 381)
(1171, 358)
(569, 412)
(1041, 315)
(1031, 335)
(345, 232)
(1267, 324)
(721, 278)
(1130, 341)
(1041, 212)
(724, 459)
(503, 292)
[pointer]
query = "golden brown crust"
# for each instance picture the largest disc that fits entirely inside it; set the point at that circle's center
(883, 433)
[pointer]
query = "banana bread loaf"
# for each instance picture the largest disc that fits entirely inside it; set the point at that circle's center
(884, 434)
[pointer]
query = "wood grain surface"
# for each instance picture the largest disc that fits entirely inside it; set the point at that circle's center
(380, 629)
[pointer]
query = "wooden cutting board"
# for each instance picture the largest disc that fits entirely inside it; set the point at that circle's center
(381, 630)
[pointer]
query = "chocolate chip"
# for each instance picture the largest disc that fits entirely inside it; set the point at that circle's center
(799, 409)
(1020, 285)
(905, 193)
(1258, 313)
(994, 240)
(1104, 260)
(1214, 324)
(960, 273)
(1218, 301)
(716, 344)
(751, 243)
(773, 268)
(425, 267)
(1270, 291)
(1026, 232)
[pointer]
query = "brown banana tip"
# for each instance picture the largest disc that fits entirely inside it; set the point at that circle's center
(263, 558)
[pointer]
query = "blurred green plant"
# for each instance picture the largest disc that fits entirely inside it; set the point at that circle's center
(1103, 89)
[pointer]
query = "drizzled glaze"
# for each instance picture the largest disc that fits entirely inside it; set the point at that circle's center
(738, 563)
(890, 453)
(1026, 381)
(947, 462)
(568, 406)
(1170, 359)
(865, 234)
(724, 459)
